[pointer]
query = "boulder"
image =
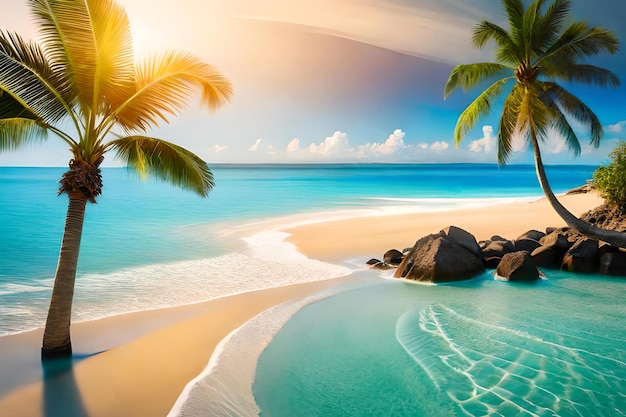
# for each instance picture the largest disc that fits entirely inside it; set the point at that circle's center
(492, 262)
(498, 248)
(498, 238)
(517, 266)
(373, 261)
(463, 238)
(531, 234)
(582, 257)
(526, 244)
(381, 266)
(393, 257)
(558, 241)
(546, 257)
(550, 230)
(437, 258)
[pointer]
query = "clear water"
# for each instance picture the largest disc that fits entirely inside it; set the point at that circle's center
(478, 348)
(379, 347)
(148, 245)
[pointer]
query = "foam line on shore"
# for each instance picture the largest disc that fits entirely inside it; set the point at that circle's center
(224, 387)
(151, 287)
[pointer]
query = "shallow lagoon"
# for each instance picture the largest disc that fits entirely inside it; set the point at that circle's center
(482, 347)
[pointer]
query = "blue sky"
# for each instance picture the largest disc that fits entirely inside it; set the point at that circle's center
(337, 80)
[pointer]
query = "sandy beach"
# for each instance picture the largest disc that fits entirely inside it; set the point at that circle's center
(138, 364)
(371, 237)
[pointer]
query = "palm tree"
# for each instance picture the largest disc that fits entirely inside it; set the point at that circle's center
(538, 50)
(83, 75)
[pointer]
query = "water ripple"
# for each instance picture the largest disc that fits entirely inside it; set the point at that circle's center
(488, 368)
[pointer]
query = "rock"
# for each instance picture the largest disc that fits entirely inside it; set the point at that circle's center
(463, 238)
(492, 262)
(583, 189)
(550, 230)
(613, 262)
(498, 248)
(526, 244)
(497, 238)
(436, 258)
(483, 244)
(558, 241)
(373, 261)
(531, 234)
(606, 216)
(381, 266)
(517, 266)
(546, 257)
(582, 257)
(393, 257)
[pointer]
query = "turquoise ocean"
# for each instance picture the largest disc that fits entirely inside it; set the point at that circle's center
(371, 347)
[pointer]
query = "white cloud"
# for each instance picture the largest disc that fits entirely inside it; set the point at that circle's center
(555, 144)
(394, 142)
(271, 150)
(293, 145)
(617, 127)
(332, 145)
(605, 148)
(439, 146)
(218, 148)
(255, 146)
(484, 144)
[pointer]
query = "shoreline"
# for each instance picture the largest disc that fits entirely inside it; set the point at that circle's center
(148, 357)
(146, 373)
(372, 237)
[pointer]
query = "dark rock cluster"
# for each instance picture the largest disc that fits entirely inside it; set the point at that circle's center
(453, 254)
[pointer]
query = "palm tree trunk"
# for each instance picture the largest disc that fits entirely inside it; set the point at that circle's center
(56, 338)
(612, 237)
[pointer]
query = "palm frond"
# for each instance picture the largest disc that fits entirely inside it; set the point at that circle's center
(17, 132)
(507, 51)
(563, 127)
(486, 31)
(468, 76)
(514, 10)
(26, 75)
(115, 67)
(578, 42)
(166, 161)
(531, 15)
(165, 83)
(11, 108)
(550, 25)
(575, 108)
(31, 56)
(534, 116)
(508, 124)
(480, 107)
(66, 33)
(583, 73)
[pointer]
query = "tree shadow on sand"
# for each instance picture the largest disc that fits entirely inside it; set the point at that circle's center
(61, 396)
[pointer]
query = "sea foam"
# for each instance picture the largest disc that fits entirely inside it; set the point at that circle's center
(224, 388)
(267, 263)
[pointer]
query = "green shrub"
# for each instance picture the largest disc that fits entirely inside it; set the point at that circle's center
(610, 180)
